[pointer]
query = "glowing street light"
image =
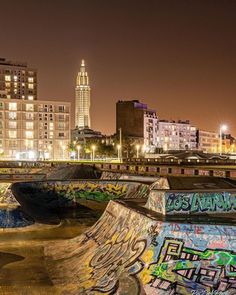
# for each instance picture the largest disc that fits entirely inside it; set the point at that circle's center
(137, 150)
(78, 151)
(93, 152)
(222, 129)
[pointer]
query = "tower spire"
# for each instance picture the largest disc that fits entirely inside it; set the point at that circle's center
(82, 98)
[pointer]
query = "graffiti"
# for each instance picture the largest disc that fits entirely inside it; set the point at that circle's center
(128, 252)
(182, 269)
(201, 202)
(99, 191)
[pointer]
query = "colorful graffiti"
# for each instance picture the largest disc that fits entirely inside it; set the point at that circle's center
(200, 202)
(97, 190)
(128, 252)
(183, 269)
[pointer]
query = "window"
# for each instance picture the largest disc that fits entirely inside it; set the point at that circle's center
(61, 109)
(1, 105)
(12, 115)
(13, 106)
(29, 116)
(51, 126)
(61, 117)
(13, 143)
(12, 134)
(12, 124)
(29, 125)
(29, 134)
(29, 144)
(29, 107)
(61, 134)
(31, 80)
(31, 86)
(7, 78)
(30, 97)
(61, 125)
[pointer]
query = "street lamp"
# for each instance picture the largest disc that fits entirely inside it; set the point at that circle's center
(93, 152)
(137, 150)
(222, 129)
(118, 152)
(78, 149)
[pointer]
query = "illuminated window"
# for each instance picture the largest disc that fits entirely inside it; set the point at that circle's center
(29, 134)
(15, 91)
(15, 84)
(12, 115)
(29, 144)
(12, 134)
(31, 80)
(29, 107)
(7, 85)
(30, 97)
(12, 125)
(51, 125)
(15, 78)
(23, 84)
(23, 97)
(7, 78)
(13, 106)
(31, 86)
(8, 96)
(29, 125)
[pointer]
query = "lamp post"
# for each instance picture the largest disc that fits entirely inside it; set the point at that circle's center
(137, 150)
(93, 152)
(118, 152)
(78, 152)
(222, 129)
(120, 130)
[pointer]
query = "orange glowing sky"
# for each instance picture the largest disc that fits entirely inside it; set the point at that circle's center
(179, 57)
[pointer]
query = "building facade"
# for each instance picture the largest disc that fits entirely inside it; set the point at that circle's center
(208, 141)
(82, 99)
(17, 80)
(137, 121)
(176, 135)
(34, 129)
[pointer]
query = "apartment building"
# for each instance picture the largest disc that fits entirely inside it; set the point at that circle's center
(137, 121)
(176, 135)
(34, 129)
(17, 80)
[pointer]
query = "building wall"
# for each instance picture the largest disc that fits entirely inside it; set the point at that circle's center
(208, 141)
(176, 135)
(34, 129)
(130, 118)
(150, 130)
(17, 81)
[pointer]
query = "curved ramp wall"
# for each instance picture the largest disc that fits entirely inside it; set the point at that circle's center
(130, 252)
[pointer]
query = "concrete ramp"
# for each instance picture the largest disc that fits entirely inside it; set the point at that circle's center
(130, 250)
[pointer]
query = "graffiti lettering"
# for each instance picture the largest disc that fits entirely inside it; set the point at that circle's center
(201, 202)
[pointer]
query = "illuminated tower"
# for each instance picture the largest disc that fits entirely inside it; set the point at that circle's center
(82, 99)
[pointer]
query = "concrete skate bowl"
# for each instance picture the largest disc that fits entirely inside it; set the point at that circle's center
(132, 250)
(45, 200)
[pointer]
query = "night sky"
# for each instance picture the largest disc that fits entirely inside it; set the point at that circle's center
(179, 57)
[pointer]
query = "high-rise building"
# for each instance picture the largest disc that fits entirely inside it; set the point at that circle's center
(17, 80)
(137, 121)
(82, 99)
(34, 129)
